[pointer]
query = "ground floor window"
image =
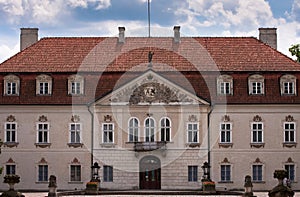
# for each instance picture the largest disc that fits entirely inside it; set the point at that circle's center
(11, 169)
(43, 173)
(225, 173)
(290, 168)
(192, 173)
(75, 173)
(257, 173)
(107, 173)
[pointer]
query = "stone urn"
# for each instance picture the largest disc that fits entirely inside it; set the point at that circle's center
(281, 190)
(11, 180)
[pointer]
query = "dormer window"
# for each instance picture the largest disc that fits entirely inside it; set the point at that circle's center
(225, 85)
(11, 85)
(75, 85)
(43, 85)
(288, 85)
(256, 85)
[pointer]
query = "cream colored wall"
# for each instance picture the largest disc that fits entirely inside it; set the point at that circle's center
(241, 155)
(59, 156)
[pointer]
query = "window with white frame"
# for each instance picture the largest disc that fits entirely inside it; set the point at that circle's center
(192, 173)
(193, 132)
(108, 133)
(225, 172)
(108, 174)
(43, 133)
(288, 85)
(43, 85)
(75, 173)
(257, 172)
(75, 132)
(289, 132)
(165, 130)
(75, 85)
(225, 85)
(10, 168)
(149, 129)
(11, 85)
(10, 132)
(256, 84)
(43, 173)
(257, 132)
(225, 132)
(290, 168)
(133, 130)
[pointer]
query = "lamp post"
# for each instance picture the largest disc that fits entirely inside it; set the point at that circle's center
(95, 171)
(206, 171)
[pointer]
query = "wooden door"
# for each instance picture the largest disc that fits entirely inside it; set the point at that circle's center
(150, 173)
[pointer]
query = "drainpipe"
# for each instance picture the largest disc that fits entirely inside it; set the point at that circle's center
(208, 138)
(92, 136)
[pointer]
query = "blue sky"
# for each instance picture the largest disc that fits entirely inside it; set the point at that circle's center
(102, 18)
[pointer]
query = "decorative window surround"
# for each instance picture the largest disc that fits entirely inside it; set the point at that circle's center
(288, 85)
(133, 129)
(107, 134)
(225, 85)
(226, 133)
(42, 138)
(43, 85)
(11, 85)
(165, 129)
(75, 85)
(257, 132)
(256, 85)
(75, 133)
(258, 171)
(289, 132)
(11, 132)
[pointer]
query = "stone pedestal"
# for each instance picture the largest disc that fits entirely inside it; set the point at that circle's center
(281, 190)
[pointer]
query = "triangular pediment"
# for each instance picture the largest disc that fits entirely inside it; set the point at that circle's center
(150, 89)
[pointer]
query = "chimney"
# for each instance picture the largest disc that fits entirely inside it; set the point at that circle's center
(121, 35)
(28, 37)
(268, 36)
(176, 34)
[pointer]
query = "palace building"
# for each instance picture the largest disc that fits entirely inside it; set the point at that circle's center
(150, 111)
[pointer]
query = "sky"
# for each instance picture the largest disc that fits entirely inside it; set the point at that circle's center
(81, 18)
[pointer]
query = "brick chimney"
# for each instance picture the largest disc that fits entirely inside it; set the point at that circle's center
(268, 36)
(176, 34)
(121, 35)
(28, 37)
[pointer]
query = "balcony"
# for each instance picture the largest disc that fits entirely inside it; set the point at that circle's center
(149, 146)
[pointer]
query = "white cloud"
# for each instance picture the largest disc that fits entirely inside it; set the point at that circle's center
(7, 51)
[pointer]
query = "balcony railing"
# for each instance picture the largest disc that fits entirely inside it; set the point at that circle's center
(149, 146)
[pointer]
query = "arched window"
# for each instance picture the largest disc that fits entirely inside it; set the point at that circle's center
(165, 130)
(133, 130)
(149, 129)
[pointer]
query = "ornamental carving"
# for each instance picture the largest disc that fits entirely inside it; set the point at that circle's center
(226, 118)
(225, 160)
(107, 118)
(11, 118)
(75, 118)
(43, 118)
(289, 118)
(290, 160)
(257, 160)
(193, 118)
(257, 118)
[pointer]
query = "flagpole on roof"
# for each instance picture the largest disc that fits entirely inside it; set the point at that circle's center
(149, 18)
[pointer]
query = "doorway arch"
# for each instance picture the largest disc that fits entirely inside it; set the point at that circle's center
(150, 172)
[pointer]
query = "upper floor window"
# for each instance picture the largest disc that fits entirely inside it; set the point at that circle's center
(165, 130)
(225, 132)
(193, 132)
(288, 85)
(225, 85)
(133, 130)
(108, 133)
(289, 132)
(75, 132)
(257, 132)
(43, 133)
(43, 85)
(75, 85)
(256, 84)
(10, 132)
(11, 85)
(149, 129)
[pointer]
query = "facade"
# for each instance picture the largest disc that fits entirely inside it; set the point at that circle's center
(150, 111)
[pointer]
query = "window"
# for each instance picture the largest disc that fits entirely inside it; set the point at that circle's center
(256, 84)
(107, 173)
(165, 130)
(10, 169)
(288, 85)
(257, 132)
(257, 173)
(43, 173)
(290, 168)
(192, 173)
(10, 132)
(75, 85)
(225, 85)
(289, 132)
(43, 85)
(149, 129)
(108, 132)
(192, 130)
(75, 133)
(43, 133)
(75, 173)
(225, 133)
(11, 85)
(225, 173)
(133, 130)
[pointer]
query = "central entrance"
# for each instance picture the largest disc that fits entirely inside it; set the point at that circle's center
(150, 173)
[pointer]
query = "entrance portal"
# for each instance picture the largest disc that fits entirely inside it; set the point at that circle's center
(150, 173)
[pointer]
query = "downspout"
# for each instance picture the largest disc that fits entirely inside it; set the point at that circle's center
(92, 136)
(208, 138)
